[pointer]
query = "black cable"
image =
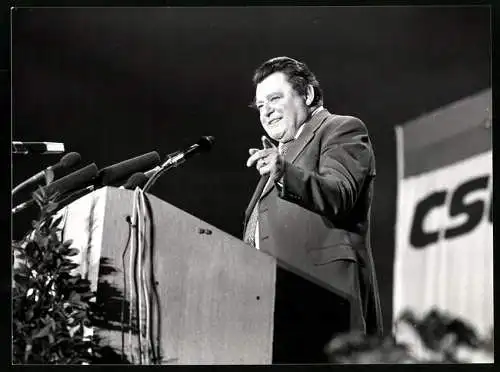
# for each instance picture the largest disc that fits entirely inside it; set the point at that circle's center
(137, 291)
(123, 302)
(155, 298)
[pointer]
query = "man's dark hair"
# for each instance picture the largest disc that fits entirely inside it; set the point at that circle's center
(298, 74)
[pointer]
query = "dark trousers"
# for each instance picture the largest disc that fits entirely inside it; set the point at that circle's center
(306, 318)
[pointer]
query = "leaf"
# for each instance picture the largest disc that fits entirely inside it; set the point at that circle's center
(40, 267)
(21, 279)
(18, 324)
(52, 206)
(21, 256)
(42, 192)
(74, 297)
(22, 268)
(60, 340)
(79, 315)
(56, 221)
(53, 324)
(22, 274)
(27, 352)
(18, 245)
(87, 295)
(49, 256)
(29, 315)
(55, 195)
(72, 252)
(80, 305)
(31, 247)
(64, 276)
(83, 283)
(42, 333)
(53, 235)
(38, 197)
(43, 241)
(69, 266)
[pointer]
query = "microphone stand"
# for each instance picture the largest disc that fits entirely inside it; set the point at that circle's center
(61, 200)
(21, 185)
(48, 176)
(173, 161)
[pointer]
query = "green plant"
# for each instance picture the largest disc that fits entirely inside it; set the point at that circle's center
(51, 305)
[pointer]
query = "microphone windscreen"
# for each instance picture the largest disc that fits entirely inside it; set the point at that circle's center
(137, 179)
(70, 160)
(80, 178)
(206, 142)
(116, 172)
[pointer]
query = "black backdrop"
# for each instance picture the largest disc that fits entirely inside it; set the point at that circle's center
(113, 83)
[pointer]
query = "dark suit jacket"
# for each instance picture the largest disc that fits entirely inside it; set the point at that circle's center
(318, 221)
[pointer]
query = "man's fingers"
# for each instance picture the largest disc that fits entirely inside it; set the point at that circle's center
(250, 160)
(266, 143)
(256, 154)
(259, 154)
(264, 169)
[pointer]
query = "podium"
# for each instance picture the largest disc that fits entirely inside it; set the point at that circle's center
(219, 301)
(216, 294)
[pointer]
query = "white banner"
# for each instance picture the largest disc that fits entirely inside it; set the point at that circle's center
(444, 236)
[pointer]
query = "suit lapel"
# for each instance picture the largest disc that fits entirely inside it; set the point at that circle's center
(306, 136)
(300, 143)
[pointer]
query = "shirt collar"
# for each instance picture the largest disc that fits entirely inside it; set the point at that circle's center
(301, 128)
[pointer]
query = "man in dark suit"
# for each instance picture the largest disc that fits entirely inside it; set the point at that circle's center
(311, 207)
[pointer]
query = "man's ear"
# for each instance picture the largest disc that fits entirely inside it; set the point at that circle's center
(309, 95)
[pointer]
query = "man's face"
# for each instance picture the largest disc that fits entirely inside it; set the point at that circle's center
(281, 109)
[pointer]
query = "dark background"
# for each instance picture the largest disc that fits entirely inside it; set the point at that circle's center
(113, 83)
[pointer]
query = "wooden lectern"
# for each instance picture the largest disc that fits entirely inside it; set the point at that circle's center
(216, 293)
(220, 301)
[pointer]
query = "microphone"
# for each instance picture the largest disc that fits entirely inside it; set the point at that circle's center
(204, 144)
(67, 161)
(176, 158)
(137, 179)
(112, 173)
(42, 148)
(119, 171)
(72, 181)
(79, 178)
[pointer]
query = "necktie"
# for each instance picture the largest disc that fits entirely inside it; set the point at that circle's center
(251, 226)
(253, 219)
(283, 147)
